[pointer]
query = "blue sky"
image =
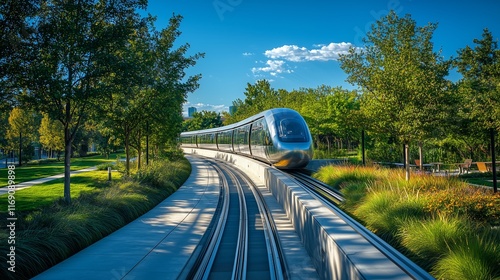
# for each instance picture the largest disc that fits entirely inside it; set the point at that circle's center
(295, 44)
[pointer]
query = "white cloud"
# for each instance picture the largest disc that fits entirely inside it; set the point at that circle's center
(318, 53)
(278, 57)
(274, 67)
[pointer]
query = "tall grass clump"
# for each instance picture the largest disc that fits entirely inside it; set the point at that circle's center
(47, 236)
(446, 226)
(339, 176)
(383, 212)
(428, 240)
(476, 256)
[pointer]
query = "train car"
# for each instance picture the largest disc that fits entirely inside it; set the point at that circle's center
(279, 136)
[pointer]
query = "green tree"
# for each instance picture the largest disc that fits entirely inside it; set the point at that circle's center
(23, 125)
(76, 46)
(16, 28)
(258, 97)
(402, 78)
(480, 86)
(203, 120)
(151, 103)
(331, 114)
(51, 135)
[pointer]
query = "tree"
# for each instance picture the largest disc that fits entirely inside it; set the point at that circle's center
(51, 134)
(152, 98)
(16, 29)
(258, 98)
(75, 48)
(402, 78)
(22, 130)
(203, 120)
(480, 87)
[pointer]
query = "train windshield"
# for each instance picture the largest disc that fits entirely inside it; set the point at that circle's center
(291, 129)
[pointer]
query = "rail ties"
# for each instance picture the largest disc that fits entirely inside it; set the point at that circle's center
(244, 246)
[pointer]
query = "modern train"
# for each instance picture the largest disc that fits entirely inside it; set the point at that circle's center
(278, 136)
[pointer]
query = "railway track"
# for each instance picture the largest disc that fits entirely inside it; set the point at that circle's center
(241, 241)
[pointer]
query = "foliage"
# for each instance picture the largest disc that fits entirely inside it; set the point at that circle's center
(202, 120)
(74, 48)
(258, 97)
(16, 27)
(51, 134)
(156, 91)
(441, 223)
(480, 68)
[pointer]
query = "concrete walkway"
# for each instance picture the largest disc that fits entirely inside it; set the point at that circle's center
(158, 244)
(28, 184)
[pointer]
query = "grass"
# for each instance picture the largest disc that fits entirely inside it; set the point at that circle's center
(441, 223)
(49, 231)
(39, 196)
(46, 169)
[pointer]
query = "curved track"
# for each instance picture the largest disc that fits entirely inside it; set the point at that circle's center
(241, 241)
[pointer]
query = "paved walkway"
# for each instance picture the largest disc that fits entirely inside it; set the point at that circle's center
(158, 244)
(28, 184)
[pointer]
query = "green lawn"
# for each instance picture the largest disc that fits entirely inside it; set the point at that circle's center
(483, 181)
(45, 194)
(32, 172)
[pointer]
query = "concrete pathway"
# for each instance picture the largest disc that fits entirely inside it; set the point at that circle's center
(28, 184)
(158, 244)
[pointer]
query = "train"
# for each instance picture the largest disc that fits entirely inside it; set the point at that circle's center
(279, 137)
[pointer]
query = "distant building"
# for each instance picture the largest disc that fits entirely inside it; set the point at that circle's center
(191, 111)
(232, 110)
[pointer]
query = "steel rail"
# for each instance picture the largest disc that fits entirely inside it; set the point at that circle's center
(202, 260)
(277, 263)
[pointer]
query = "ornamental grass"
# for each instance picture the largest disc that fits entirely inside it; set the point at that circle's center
(443, 224)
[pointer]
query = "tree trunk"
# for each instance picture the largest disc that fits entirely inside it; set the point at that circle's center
(139, 151)
(363, 146)
(127, 153)
(20, 148)
(420, 155)
(493, 159)
(407, 161)
(67, 164)
(147, 143)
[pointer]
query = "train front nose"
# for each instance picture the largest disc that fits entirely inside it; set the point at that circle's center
(293, 160)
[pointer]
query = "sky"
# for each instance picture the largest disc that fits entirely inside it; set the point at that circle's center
(295, 44)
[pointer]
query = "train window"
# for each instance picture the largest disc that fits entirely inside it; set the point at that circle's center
(208, 138)
(291, 129)
(260, 134)
(188, 140)
(241, 139)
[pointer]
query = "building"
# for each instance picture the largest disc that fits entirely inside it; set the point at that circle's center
(191, 111)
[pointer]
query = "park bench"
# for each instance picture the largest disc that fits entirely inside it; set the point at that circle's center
(465, 166)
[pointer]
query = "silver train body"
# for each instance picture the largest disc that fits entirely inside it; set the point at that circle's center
(280, 137)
